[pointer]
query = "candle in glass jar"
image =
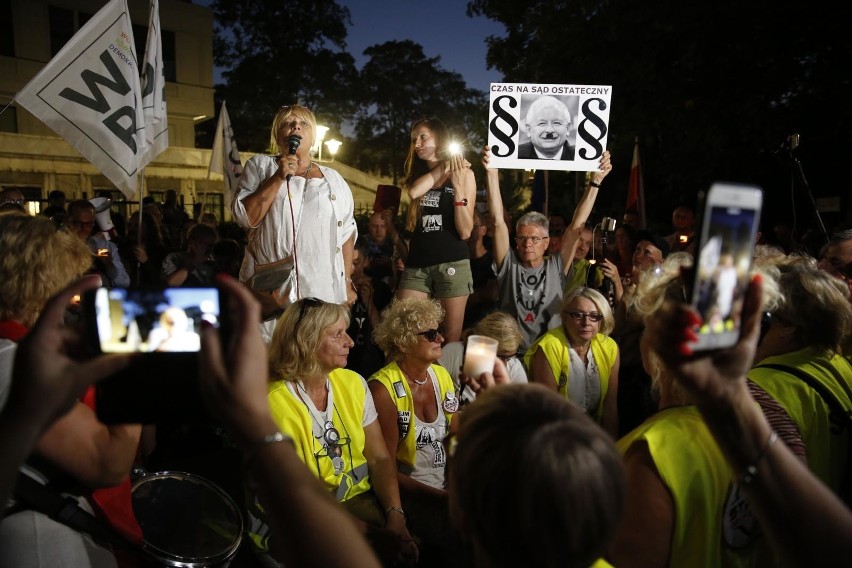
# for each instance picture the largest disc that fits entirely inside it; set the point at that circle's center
(479, 355)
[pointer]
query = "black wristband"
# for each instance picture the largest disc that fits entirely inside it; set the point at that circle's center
(595, 184)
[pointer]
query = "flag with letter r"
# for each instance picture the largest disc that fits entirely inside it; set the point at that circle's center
(90, 95)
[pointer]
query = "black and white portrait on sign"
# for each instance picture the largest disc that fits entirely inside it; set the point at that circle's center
(548, 127)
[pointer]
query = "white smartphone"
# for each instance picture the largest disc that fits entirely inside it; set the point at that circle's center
(724, 257)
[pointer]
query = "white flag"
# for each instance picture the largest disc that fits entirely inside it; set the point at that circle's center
(154, 90)
(90, 95)
(225, 158)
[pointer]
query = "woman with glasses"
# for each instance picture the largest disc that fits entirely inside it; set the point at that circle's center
(416, 401)
(579, 359)
(329, 413)
(500, 326)
(300, 219)
(442, 189)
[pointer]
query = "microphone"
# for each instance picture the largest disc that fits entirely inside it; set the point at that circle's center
(292, 145)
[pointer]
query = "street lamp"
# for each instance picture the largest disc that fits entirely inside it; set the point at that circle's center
(333, 146)
(316, 149)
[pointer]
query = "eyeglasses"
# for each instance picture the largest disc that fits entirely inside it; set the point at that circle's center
(535, 240)
(505, 358)
(593, 316)
(432, 334)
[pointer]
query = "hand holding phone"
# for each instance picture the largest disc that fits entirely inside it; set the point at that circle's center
(724, 256)
(162, 325)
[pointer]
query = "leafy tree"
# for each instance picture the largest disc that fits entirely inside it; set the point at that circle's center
(399, 85)
(276, 53)
(711, 89)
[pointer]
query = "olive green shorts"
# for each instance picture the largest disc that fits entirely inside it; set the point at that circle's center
(447, 280)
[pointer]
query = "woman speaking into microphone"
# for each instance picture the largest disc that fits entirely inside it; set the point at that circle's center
(300, 218)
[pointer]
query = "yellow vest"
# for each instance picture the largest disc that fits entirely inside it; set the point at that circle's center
(294, 419)
(390, 376)
(580, 274)
(713, 525)
(554, 344)
(825, 437)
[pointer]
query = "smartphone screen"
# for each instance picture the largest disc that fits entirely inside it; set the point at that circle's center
(723, 261)
(155, 320)
(163, 324)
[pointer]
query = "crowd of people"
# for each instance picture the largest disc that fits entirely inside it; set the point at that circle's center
(600, 437)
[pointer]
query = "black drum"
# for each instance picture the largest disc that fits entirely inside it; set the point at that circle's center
(187, 521)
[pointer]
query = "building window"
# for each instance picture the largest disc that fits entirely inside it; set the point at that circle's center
(9, 119)
(7, 30)
(140, 37)
(64, 23)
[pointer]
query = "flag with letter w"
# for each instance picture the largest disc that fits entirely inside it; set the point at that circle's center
(90, 95)
(153, 90)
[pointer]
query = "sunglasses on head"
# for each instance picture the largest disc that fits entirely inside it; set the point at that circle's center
(432, 334)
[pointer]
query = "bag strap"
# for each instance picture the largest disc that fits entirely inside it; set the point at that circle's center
(64, 509)
(834, 405)
(835, 408)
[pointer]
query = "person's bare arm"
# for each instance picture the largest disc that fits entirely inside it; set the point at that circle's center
(495, 208)
(581, 213)
(383, 476)
(644, 535)
(464, 187)
(347, 250)
(540, 371)
(429, 180)
(610, 407)
(95, 454)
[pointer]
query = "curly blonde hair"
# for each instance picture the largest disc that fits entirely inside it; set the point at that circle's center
(298, 333)
(37, 261)
(401, 323)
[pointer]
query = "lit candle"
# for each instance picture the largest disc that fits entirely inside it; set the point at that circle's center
(480, 355)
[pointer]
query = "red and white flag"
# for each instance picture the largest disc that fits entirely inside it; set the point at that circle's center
(154, 90)
(636, 189)
(90, 95)
(225, 158)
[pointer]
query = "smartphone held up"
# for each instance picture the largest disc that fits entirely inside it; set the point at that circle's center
(724, 257)
(163, 325)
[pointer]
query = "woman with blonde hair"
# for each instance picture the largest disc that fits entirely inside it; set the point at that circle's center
(300, 220)
(501, 326)
(329, 412)
(416, 401)
(88, 461)
(442, 190)
(579, 359)
(684, 508)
